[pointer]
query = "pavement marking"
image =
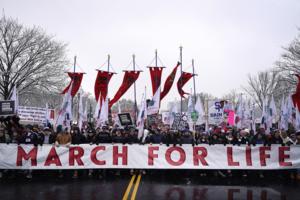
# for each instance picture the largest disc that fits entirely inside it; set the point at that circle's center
(136, 187)
(125, 197)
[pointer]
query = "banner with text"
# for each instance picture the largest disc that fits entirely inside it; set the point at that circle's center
(136, 156)
(35, 114)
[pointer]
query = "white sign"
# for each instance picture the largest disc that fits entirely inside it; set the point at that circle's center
(215, 112)
(85, 156)
(33, 114)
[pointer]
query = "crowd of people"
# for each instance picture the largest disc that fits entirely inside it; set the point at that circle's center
(11, 131)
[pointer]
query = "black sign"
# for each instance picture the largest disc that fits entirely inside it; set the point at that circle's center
(125, 119)
(7, 108)
(180, 122)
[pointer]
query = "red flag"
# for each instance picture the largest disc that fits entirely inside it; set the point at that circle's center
(101, 84)
(155, 73)
(296, 96)
(129, 78)
(184, 78)
(76, 78)
(169, 82)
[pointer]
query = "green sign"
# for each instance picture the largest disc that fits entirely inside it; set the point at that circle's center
(194, 116)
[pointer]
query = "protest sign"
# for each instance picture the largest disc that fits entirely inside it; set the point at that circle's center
(7, 108)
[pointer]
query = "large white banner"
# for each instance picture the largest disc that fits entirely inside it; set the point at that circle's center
(34, 114)
(137, 156)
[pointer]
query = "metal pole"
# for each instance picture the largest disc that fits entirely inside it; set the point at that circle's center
(155, 66)
(109, 110)
(194, 81)
(78, 108)
(90, 115)
(206, 113)
(156, 57)
(74, 70)
(75, 63)
(134, 86)
(108, 62)
(180, 79)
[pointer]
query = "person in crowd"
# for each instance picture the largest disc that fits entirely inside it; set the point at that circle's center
(102, 136)
(167, 138)
(90, 136)
(29, 137)
(176, 138)
(4, 136)
(77, 137)
(214, 139)
(231, 138)
(275, 137)
(156, 136)
(187, 138)
(259, 138)
(63, 138)
(118, 137)
(243, 137)
(286, 140)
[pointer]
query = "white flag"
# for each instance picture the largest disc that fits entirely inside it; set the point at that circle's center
(15, 97)
(103, 117)
(264, 115)
(80, 113)
(47, 115)
(97, 110)
(252, 113)
(283, 115)
(290, 109)
(189, 113)
(172, 112)
(142, 117)
(272, 112)
(199, 109)
(153, 107)
(239, 118)
(85, 118)
(65, 113)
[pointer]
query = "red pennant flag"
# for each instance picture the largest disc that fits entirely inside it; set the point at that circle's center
(169, 82)
(129, 78)
(155, 73)
(76, 78)
(101, 84)
(184, 78)
(296, 96)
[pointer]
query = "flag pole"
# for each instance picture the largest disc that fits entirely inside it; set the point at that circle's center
(134, 86)
(194, 81)
(109, 109)
(72, 100)
(155, 57)
(181, 78)
(155, 66)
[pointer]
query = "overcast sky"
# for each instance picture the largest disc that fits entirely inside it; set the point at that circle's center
(228, 39)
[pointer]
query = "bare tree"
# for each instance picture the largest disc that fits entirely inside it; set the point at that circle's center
(263, 85)
(289, 63)
(232, 97)
(29, 59)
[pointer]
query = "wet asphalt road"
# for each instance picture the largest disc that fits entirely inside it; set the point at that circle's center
(165, 185)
